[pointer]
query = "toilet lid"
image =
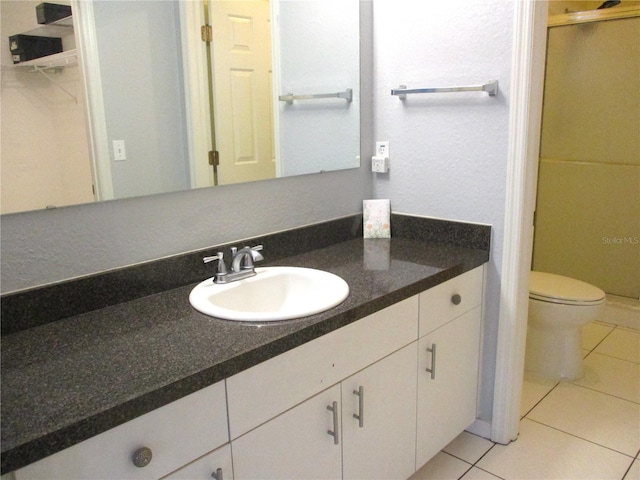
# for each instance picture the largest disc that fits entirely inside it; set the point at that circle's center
(559, 289)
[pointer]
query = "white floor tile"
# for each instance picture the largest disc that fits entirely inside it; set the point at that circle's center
(594, 416)
(442, 467)
(468, 447)
(478, 474)
(542, 453)
(534, 388)
(613, 376)
(593, 333)
(622, 343)
(634, 471)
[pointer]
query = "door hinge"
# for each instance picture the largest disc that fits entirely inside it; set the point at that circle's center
(206, 32)
(214, 158)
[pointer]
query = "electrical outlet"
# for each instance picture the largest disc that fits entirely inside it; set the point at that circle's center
(382, 149)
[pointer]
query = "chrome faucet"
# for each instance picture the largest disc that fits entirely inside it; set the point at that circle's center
(241, 264)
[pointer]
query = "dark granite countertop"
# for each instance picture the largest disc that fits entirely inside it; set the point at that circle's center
(65, 381)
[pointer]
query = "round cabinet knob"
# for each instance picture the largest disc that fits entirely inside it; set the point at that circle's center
(456, 299)
(142, 457)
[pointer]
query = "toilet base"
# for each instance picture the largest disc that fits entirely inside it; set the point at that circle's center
(554, 353)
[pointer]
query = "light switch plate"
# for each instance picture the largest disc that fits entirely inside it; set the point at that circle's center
(119, 151)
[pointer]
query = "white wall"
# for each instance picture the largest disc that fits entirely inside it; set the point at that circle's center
(448, 151)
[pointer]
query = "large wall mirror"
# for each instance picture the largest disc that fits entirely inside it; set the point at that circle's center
(137, 100)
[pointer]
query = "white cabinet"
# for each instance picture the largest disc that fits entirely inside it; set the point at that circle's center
(448, 363)
(379, 418)
(294, 445)
(350, 404)
(405, 420)
(321, 438)
(297, 443)
(447, 383)
(264, 391)
(175, 434)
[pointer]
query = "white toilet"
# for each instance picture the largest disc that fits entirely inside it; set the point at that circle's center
(558, 309)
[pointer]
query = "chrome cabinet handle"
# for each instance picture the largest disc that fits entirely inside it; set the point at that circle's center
(217, 475)
(142, 457)
(432, 370)
(456, 299)
(360, 415)
(335, 434)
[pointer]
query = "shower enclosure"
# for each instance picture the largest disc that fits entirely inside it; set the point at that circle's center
(588, 204)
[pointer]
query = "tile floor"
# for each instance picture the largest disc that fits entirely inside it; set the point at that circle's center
(587, 429)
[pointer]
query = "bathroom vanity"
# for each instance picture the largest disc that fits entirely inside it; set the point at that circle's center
(151, 388)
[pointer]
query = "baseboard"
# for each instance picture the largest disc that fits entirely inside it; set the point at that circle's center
(482, 428)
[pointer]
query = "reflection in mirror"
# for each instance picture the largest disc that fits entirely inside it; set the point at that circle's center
(140, 79)
(44, 143)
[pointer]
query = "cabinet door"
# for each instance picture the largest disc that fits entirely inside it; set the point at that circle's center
(447, 394)
(216, 465)
(297, 444)
(380, 442)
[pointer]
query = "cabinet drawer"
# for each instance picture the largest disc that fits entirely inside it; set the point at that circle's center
(268, 389)
(176, 434)
(450, 299)
(217, 462)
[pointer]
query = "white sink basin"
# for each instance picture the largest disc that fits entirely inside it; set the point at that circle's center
(275, 293)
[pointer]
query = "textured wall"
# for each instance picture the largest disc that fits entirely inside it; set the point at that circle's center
(47, 246)
(448, 150)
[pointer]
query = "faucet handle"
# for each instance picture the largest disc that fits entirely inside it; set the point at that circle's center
(222, 268)
(255, 253)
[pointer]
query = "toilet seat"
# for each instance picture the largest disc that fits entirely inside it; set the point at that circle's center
(549, 287)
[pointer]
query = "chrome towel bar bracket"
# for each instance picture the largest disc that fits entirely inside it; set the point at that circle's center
(491, 88)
